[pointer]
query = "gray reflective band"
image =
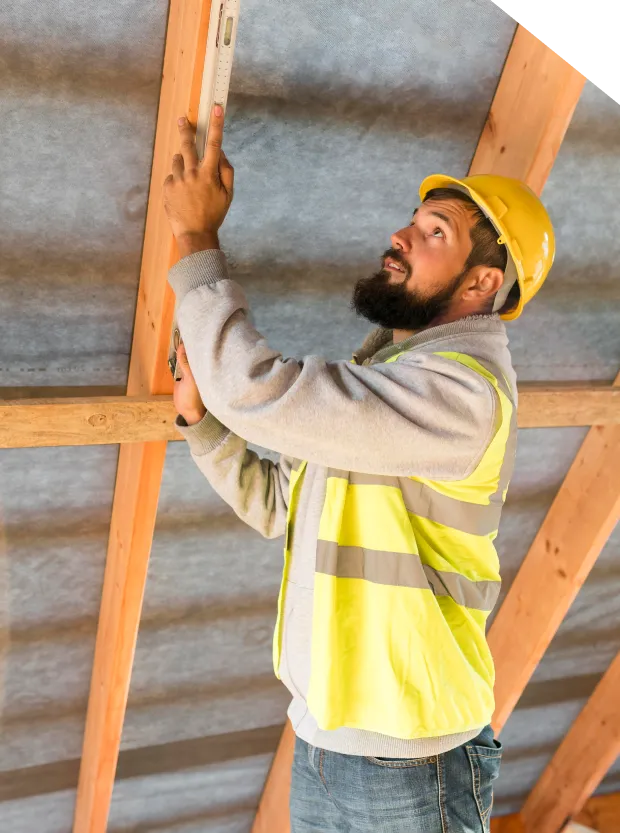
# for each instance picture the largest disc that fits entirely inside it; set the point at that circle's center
(505, 472)
(481, 595)
(341, 473)
(378, 566)
(422, 500)
(508, 463)
(404, 570)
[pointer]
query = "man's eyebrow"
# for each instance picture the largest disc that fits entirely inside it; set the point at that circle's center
(438, 214)
(443, 217)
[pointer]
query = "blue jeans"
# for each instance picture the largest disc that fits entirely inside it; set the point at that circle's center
(447, 793)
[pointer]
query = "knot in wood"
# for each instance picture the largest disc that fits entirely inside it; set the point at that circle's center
(98, 420)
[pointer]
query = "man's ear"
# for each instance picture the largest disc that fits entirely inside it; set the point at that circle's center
(482, 282)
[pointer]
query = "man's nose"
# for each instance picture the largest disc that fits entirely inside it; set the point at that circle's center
(402, 240)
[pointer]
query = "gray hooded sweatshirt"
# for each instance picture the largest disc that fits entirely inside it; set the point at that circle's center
(424, 416)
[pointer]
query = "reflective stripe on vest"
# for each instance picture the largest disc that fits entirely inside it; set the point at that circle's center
(297, 471)
(406, 576)
(403, 570)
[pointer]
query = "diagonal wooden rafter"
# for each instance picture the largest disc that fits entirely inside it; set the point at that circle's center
(97, 420)
(140, 465)
(544, 90)
(569, 541)
(273, 813)
(530, 113)
(580, 762)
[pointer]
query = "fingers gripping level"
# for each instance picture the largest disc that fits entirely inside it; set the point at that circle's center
(215, 85)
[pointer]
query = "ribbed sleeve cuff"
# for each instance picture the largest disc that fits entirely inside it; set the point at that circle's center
(197, 270)
(204, 436)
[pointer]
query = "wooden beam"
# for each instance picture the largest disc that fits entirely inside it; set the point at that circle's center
(86, 421)
(273, 812)
(140, 464)
(61, 392)
(581, 761)
(561, 406)
(137, 490)
(562, 554)
(508, 824)
(602, 812)
(97, 420)
(543, 90)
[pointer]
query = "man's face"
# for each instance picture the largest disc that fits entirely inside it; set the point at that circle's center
(422, 271)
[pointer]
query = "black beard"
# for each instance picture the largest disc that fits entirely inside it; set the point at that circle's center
(395, 307)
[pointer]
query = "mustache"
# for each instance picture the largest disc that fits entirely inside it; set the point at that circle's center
(396, 256)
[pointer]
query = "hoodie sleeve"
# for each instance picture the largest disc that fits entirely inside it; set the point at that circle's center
(257, 489)
(422, 415)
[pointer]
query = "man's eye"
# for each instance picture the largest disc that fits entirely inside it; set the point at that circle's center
(438, 231)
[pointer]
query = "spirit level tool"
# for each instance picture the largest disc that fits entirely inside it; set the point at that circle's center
(215, 84)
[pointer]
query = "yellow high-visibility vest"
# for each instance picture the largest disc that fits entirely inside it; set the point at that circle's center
(406, 577)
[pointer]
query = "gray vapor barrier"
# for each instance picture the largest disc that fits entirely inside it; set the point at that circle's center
(336, 114)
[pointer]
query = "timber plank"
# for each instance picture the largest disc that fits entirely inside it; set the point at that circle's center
(96, 420)
(140, 464)
(581, 761)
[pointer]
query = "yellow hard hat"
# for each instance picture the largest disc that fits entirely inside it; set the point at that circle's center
(522, 223)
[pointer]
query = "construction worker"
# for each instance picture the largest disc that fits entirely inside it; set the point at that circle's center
(392, 474)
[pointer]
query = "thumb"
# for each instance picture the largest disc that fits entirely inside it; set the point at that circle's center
(182, 361)
(227, 173)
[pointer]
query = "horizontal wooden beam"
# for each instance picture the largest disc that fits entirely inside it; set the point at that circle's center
(97, 420)
(563, 406)
(581, 762)
(86, 421)
(62, 391)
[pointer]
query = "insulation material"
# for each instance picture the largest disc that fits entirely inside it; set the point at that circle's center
(202, 800)
(79, 91)
(203, 659)
(52, 813)
(336, 114)
(572, 331)
(55, 506)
